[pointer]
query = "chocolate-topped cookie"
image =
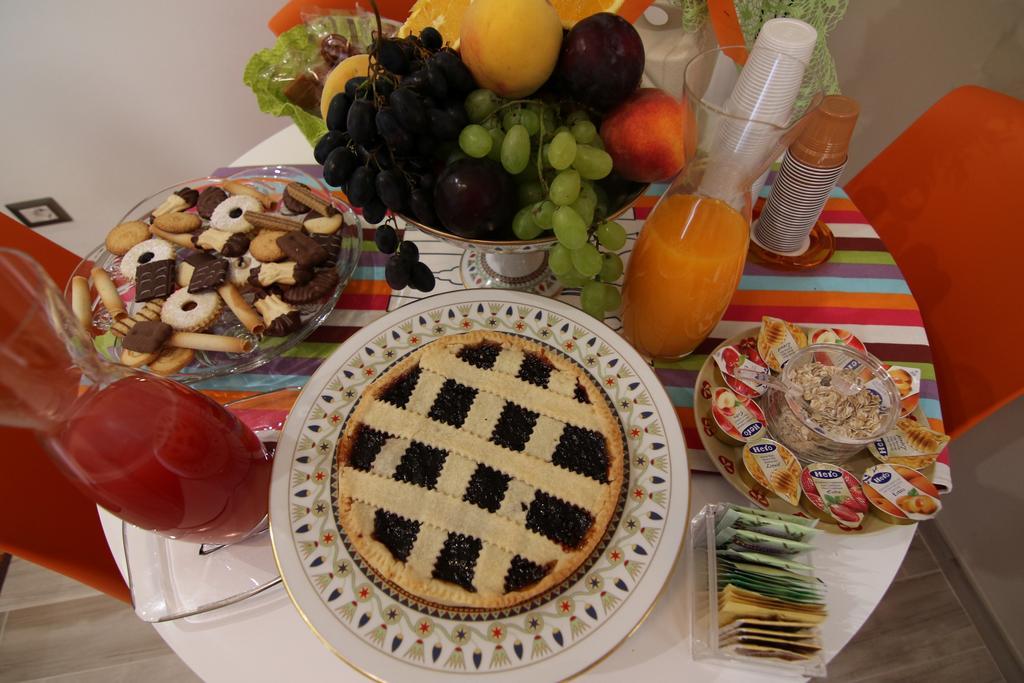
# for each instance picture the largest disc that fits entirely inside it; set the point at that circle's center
(227, 243)
(332, 245)
(147, 336)
(284, 325)
(190, 196)
(305, 196)
(293, 205)
(302, 249)
(209, 199)
(289, 273)
(209, 272)
(281, 318)
(322, 284)
(154, 280)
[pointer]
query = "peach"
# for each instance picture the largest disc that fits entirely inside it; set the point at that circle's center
(645, 136)
(510, 46)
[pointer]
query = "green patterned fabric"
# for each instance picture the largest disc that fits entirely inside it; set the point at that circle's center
(823, 15)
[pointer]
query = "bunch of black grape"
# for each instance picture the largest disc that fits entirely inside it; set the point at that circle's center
(388, 131)
(404, 268)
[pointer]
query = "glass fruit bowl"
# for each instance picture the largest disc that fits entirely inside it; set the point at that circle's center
(518, 264)
(270, 180)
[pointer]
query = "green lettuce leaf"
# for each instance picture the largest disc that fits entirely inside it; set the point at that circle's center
(300, 45)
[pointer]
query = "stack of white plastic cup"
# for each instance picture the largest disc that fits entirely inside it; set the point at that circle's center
(760, 104)
(790, 37)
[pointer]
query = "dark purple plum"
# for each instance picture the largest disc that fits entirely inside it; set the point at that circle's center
(476, 198)
(602, 61)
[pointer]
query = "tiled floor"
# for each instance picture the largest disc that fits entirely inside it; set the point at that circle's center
(919, 632)
(53, 629)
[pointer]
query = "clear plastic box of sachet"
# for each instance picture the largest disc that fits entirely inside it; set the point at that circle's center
(757, 602)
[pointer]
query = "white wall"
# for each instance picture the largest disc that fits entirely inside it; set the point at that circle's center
(103, 103)
(898, 57)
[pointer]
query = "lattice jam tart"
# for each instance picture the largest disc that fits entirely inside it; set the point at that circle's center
(480, 471)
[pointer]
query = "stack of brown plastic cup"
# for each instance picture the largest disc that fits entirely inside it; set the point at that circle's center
(810, 169)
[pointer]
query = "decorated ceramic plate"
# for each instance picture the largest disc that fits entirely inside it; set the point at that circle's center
(269, 180)
(729, 459)
(389, 634)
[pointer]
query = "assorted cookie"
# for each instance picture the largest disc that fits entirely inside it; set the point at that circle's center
(302, 249)
(190, 312)
(208, 272)
(323, 282)
(154, 249)
(177, 223)
(272, 222)
(125, 236)
(315, 224)
(230, 214)
(172, 360)
(292, 205)
(281, 317)
(154, 280)
(203, 250)
(209, 199)
(221, 241)
(288, 273)
(147, 336)
(264, 247)
(239, 267)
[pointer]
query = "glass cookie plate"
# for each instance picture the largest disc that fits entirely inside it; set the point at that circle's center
(390, 635)
(268, 179)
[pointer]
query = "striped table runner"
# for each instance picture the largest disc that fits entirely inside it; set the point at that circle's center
(860, 289)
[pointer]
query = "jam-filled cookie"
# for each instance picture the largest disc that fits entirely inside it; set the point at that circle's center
(186, 311)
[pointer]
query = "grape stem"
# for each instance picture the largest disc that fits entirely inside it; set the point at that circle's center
(540, 153)
(373, 72)
(380, 25)
(511, 103)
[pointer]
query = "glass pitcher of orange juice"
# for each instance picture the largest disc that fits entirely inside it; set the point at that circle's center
(689, 257)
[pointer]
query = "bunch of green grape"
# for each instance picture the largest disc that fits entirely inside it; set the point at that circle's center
(555, 161)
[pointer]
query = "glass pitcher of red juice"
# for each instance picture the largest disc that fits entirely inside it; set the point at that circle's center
(153, 452)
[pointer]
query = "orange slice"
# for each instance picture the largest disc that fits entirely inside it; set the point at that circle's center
(446, 15)
(571, 11)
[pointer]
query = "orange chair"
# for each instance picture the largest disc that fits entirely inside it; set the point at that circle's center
(43, 517)
(945, 198)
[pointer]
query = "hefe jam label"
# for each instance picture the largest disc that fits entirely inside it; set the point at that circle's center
(910, 498)
(880, 478)
(835, 492)
(745, 422)
(768, 458)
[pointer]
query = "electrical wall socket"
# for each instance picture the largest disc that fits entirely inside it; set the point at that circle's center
(36, 213)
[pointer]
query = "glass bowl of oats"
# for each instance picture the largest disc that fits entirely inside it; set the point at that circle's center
(830, 401)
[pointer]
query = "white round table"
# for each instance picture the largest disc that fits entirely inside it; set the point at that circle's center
(265, 639)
